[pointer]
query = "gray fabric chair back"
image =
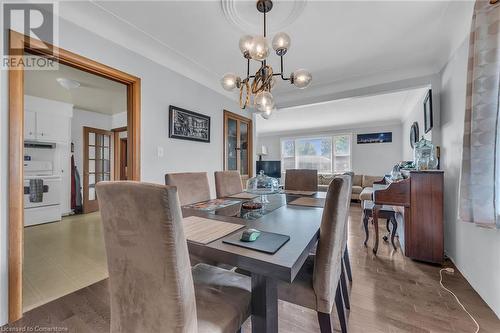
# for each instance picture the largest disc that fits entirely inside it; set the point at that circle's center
(351, 175)
(191, 186)
(328, 260)
(301, 180)
(227, 183)
(151, 284)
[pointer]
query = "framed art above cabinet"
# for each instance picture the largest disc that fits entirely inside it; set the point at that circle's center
(238, 140)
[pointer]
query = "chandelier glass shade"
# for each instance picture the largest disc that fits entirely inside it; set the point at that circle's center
(259, 85)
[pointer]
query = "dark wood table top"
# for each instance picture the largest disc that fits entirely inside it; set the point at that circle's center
(299, 222)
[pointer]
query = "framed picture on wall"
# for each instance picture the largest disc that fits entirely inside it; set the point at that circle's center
(428, 118)
(382, 137)
(188, 125)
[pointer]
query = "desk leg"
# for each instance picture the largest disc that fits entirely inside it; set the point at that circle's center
(264, 304)
(375, 226)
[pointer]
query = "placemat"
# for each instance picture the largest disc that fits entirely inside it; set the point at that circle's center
(268, 242)
(309, 202)
(213, 204)
(243, 195)
(201, 230)
(299, 192)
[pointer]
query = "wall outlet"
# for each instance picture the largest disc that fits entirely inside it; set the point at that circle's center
(160, 152)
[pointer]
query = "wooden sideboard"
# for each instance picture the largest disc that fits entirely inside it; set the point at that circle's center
(420, 197)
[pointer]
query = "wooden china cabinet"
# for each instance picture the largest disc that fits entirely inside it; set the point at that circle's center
(238, 144)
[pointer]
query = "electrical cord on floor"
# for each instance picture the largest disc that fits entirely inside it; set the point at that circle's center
(451, 271)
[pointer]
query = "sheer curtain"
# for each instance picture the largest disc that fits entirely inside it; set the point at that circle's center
(480, 179)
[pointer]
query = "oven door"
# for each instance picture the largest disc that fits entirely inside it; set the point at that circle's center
(51, 195)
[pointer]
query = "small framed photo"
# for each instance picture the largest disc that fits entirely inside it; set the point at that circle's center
(188, 125)
(428, 118)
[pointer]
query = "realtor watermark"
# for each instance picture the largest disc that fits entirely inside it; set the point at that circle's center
(37, 328)
(36, 22)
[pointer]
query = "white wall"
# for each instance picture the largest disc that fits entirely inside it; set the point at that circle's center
(119, 120)
(375, 159)
(160, 88)
(474, 250)
(416, 114)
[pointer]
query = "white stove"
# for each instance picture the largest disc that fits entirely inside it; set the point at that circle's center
(42, 193)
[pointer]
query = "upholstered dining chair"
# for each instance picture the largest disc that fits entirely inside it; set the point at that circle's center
(152, 285)
(227, 183)
(301, 180)
(192, 187)
(317, 285)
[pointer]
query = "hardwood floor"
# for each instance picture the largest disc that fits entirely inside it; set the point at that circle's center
(390, 293)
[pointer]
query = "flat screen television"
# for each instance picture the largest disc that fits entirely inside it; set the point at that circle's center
(270, 168)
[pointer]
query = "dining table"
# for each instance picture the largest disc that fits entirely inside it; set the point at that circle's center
(279, 215)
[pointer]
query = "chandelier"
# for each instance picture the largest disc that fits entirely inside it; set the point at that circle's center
(256, 48)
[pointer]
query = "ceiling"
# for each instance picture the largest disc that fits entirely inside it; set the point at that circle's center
(342, 114)
(94, 94)
(338, 41)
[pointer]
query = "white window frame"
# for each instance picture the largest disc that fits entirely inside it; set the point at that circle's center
(331, 136)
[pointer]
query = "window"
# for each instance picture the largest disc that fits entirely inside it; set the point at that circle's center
(329, 154)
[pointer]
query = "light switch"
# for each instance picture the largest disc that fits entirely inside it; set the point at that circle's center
(160, 152)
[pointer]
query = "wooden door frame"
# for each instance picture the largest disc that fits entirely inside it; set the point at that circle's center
(20, 44)
(116, 151)
(227, 115)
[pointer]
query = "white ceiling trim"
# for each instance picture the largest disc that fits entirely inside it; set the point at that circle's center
(330, 129)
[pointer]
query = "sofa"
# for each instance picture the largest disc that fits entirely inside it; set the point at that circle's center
(362, 185)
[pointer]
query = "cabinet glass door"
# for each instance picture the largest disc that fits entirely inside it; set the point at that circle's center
(243, 148)
(238, 144)
(232, 144)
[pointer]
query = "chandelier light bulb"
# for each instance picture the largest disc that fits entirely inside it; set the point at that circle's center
(259, 49)
(301, 78)
(268, 112)
(246, 44)
(264, 100)
(230, 81)
(281, 43)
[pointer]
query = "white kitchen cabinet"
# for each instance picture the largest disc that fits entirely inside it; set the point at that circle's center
(47, 120)
(29, 125)
(52, 127)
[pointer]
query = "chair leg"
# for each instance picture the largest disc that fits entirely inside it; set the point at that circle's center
(365, 225)
(343, 286)
(387, 225)
(325, 323)
(393, 234)
(339, 304)
(347, 263)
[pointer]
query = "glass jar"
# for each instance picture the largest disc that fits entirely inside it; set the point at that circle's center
(262, 184)
(425, 156)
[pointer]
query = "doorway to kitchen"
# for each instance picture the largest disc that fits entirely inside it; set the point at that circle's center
(17, 153)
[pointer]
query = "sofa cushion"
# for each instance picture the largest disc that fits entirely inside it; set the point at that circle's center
(356, 189)
(366, 194)
(369, 180)
(357, 180)
(325, 179)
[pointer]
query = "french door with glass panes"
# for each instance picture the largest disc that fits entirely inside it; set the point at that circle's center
(238, 144)
(97, 152)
